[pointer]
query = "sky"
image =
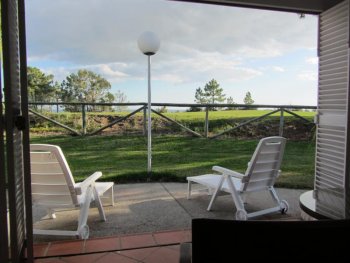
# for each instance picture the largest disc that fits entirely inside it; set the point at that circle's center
(273, 55)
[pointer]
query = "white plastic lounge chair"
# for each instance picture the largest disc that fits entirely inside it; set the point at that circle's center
(53, 188)
(261, 174)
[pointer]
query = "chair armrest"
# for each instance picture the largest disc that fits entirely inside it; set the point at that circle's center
(228, 172)
(87, 182)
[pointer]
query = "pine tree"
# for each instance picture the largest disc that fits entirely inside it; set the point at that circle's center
(212, 93)
(248, 99)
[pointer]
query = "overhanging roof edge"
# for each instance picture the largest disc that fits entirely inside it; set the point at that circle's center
(297, 6)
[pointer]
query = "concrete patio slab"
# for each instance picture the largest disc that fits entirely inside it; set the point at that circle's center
(152, 207)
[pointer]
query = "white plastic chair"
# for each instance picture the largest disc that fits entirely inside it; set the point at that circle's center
(261, 174)
(53, 188)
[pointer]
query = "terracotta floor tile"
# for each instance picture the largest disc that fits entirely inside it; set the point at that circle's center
(40, 249)
(115, 258)
(88, 258)
(65, 248)
(163, 255)
(188, 234)
(102, 244)
(172, 237)
(48, 260)
(174, 247)
(138, 254)
(137, 241)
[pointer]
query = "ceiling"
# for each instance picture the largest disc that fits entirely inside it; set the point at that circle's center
(300, 6)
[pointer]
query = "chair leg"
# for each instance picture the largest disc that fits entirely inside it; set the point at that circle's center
(112, 195)
(236, 197)
(189, 187)
(216, 192)
(83, 214)
(274, 195)
(244, 198)
(99, 204)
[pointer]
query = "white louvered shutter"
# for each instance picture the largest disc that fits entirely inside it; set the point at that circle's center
(330, 179)
(16, 172)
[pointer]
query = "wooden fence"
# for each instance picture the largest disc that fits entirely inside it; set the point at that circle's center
(142, 106)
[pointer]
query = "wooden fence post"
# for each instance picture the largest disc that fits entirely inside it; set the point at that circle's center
(206, 124)
(281, 122)
(83, 116)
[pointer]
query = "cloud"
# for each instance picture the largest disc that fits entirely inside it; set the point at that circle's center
(312, 60)
(308, 76)
(105, 31)
(198, 41)
(278, 69)
(60, 73)
(113, 71)
(205, 65)
(175, 71)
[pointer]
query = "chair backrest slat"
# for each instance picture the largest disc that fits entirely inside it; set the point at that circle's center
(45, 167)
(52, 180)
(45, 178)
(52, 200)
(265, 164)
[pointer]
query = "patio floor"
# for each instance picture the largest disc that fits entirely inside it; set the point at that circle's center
(147, 224)
(147, 247)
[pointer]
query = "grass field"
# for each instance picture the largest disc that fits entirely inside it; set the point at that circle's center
(124, 158)
(213, 115)
(229, 114)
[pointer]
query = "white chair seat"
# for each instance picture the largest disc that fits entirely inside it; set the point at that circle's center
(104, 190)
(212, 181)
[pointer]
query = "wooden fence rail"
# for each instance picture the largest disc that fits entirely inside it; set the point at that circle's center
(207, 107)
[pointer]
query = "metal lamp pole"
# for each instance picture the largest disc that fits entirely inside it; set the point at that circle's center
(149, 121)
(149, 44)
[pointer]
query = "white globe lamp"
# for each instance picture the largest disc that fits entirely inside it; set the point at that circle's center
(148, 43)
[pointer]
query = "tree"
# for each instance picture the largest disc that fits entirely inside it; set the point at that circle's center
(120, 97)
(41, 87)
(108, 98)
(85, 86)
(211, 94)
(194, 109)
(229, 100)
(162, 109)
(248, 99)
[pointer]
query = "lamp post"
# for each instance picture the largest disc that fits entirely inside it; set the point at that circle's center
(149, 44)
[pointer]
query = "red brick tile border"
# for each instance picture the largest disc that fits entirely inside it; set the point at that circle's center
(121, 244)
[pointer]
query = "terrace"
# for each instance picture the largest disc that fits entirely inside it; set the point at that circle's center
(331, 176)
(145, 213)
(147, 224)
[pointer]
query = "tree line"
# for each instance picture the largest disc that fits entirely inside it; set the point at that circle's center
(212, 93)
(88, 86)
(83, 86)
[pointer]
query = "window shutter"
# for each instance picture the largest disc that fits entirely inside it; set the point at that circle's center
(17, 173)
(332, 120)
(3, 198)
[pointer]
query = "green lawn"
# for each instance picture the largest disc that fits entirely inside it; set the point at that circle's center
(230, 114)
(124, 158)
(188, 116)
